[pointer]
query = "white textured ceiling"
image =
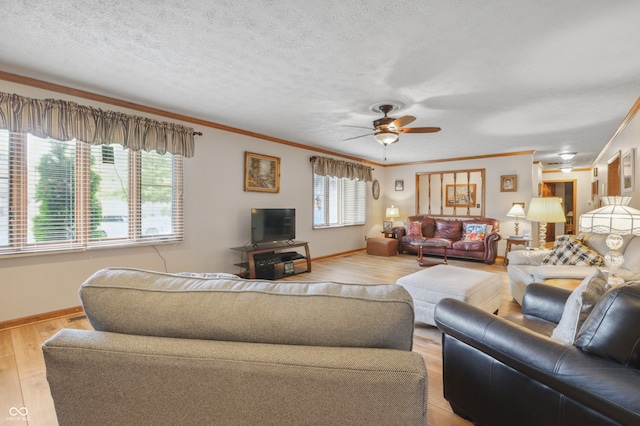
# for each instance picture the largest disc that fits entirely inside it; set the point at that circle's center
(496, 76)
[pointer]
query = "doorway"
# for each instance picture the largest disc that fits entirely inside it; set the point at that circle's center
(613, 176)
(566, 191)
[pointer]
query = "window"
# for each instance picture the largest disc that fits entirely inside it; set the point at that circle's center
(338, 201)
(75, 196)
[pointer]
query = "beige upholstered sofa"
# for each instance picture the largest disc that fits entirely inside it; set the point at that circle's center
(527, 266)
(172, 349)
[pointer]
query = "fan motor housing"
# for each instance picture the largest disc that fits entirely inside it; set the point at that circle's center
(382, 122)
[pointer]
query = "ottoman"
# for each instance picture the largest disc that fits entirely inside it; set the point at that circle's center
(382, 246)
(427, 287)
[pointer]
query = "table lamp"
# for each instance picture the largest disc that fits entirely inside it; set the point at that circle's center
(616, 219)
(544, 210)
(516, 211)
(392, 213)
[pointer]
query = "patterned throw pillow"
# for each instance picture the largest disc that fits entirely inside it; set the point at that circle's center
(570, 251)
(476, 232)
(414, 229)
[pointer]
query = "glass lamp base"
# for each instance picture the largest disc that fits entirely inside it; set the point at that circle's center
(613, 281)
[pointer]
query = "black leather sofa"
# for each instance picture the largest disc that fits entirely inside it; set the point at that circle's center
(507, 370)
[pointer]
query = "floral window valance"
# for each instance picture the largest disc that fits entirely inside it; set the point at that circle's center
(325, 166)
(63, 120)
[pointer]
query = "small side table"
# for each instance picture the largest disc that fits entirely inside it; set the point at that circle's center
(510, 242)
(388, 234)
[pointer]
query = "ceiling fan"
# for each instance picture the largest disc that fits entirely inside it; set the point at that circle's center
(387, 129)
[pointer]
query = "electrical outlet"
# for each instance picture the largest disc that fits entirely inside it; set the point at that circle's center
(365, 238)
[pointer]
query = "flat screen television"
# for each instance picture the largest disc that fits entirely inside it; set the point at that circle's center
(270, 225)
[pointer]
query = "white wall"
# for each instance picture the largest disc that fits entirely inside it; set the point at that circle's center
(217, 217)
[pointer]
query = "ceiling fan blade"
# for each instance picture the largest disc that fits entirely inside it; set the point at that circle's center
(402, 121)
(358, 127)
(419, 130)
(361, 136)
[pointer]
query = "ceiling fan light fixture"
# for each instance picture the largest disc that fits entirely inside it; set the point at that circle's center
(386, 137)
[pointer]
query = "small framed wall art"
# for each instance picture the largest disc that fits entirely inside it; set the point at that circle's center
(261, 173)
(628, 171)
(508, 183)
(399, 184)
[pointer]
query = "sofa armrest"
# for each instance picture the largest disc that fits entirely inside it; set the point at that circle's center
(527, 257)
(399, 232)
(545, 301)
(604, 385)
(491, 247)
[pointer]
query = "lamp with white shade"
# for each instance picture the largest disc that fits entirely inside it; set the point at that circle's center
(616, 219)
(545, 210)
(516, 211)
(392, 213)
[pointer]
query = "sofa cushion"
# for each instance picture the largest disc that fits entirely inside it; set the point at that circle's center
(611, 330)
(449, 229)
(133, 301)
(545, 272)
(570, 251)
(578, 306)
(428, 226)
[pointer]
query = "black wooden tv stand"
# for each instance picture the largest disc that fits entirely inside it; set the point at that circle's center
(275, 260)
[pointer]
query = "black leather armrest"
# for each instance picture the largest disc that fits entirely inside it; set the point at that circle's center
(496, 336)
(545, 301)
(588, 379)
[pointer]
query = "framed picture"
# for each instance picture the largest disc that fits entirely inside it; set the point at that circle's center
(387, 226)
(508, 183)
(521, 205)
(628, 170)
(261, 173)
(399, 184)
(461, 195)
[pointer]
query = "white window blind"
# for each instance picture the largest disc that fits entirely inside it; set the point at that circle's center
(73, 196)
(338, 201)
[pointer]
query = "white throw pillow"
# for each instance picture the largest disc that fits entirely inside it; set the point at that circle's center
(578, 307)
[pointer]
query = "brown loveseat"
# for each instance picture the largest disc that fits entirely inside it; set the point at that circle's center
(453, 232)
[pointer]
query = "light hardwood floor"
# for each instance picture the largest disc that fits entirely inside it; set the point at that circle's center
(23, 380)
